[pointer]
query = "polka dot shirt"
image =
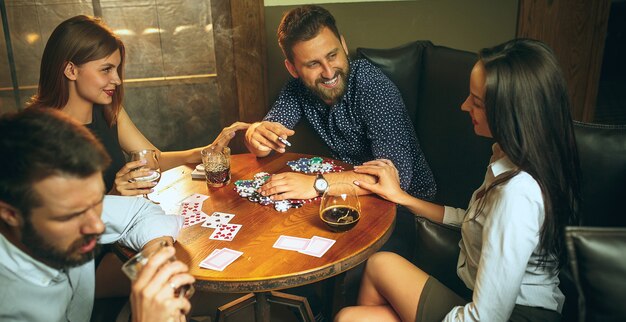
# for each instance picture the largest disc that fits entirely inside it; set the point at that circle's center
(368, 123)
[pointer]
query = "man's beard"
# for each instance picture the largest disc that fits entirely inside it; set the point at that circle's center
(42, 250)
(332, 95)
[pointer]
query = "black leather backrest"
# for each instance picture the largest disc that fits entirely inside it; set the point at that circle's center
(599, 269)
(456, 155)
(402, 65)
(602, 151)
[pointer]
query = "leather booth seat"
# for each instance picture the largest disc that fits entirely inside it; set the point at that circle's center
(599, 271)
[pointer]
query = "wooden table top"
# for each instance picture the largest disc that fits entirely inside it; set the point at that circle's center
(262, 267)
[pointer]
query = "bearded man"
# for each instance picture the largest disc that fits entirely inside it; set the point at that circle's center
(53, 216)
(352, 106)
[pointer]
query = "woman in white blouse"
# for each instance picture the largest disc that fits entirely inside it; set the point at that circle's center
(512, 244)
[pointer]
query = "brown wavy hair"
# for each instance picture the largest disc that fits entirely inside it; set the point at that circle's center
(79, 40)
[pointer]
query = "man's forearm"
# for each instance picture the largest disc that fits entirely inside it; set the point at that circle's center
(350, 177)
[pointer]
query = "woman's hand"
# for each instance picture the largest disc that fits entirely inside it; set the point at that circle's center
(388, 185)
(227, 134)
(125, 184)
(153, 296)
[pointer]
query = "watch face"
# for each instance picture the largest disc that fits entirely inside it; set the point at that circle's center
(321, 184)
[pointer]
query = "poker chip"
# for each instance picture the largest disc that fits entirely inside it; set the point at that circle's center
(264, 201)
(282, 205)
(314, 165)
(249, 189)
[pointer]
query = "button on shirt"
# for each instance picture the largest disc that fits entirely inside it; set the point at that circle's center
(33, 291)
(499, 257)
(369, 122)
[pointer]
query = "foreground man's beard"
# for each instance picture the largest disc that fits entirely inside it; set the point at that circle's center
(42, 250)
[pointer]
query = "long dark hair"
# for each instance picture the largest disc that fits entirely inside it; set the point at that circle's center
(528, 111)
(79, 40)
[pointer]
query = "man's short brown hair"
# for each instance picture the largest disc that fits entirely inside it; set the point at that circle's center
(301, 24)
(38, 143)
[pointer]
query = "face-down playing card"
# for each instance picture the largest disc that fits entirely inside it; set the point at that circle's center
(318, 246)
(220, 258)
(291, 243)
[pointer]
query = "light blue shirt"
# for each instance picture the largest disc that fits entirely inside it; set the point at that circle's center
(33, 291)
(500, 248)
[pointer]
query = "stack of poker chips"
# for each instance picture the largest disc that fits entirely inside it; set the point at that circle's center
(250, 188)
(314, 165)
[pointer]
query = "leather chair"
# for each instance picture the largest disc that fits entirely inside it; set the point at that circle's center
(599, 270)
(602, 151)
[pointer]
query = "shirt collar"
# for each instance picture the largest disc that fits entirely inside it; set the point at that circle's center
(23, 266)
(500, 162)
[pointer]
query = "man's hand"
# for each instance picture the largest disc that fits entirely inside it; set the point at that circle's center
(153, 292)
(289, 185)
(262, 137)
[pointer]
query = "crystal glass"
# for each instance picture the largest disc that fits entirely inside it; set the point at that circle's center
(133, 266)
(152, 163)
(216, 166)
(340, 208)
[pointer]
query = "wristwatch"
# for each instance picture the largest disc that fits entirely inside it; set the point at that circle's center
(320, 184)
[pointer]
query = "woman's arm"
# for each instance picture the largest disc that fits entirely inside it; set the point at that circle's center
(388, 187)
(132, 139)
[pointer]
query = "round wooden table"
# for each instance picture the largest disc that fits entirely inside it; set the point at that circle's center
(263, 268)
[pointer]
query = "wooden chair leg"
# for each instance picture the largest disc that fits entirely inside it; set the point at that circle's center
(226, 310)
(298, 302)
(262, 301)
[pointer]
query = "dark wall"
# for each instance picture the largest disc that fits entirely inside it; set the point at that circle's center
(468, 25)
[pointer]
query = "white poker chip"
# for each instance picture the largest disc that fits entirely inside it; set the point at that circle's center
(261, 175)
(200, 167)
(282, 205)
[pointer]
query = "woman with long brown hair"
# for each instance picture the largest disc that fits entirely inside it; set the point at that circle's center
(82, 72)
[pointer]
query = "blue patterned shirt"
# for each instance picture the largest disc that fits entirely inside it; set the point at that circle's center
(369, 122)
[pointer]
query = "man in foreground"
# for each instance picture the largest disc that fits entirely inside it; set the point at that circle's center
(53, 215)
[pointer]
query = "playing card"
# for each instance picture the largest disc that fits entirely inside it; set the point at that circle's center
(317, 246)
(220, 258)
(194, 219)
(216, 219)
(188, 209)
(225, 232)
(196, 197)
(291, 243)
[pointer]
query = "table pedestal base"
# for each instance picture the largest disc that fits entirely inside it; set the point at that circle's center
(262, 301)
